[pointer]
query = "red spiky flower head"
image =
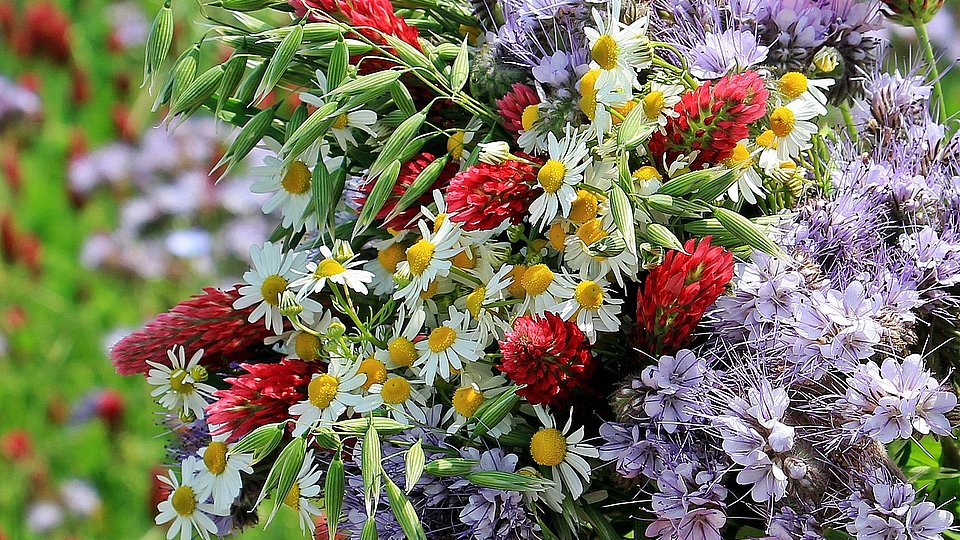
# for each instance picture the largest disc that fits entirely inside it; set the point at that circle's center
(676, 294)
(207, 321)
(484, 196)
(408, 173)
(711, 120)
(514, 103)
(548, 354)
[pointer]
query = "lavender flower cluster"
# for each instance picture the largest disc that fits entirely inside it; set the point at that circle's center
(173, 216)
(16, 104)
(815, 362)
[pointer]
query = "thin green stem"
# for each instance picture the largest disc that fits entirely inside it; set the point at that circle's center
(927, 47)
(848, 120)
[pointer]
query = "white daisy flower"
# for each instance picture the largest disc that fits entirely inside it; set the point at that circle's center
(659, 102)
(220, 475)
(794, 85)
(490, 324)
(342, 273)
(618, 49)
(563, 452)
(271, 274)
(476, 387)
(428, 259)
(457, 141)
(597, 96)
(578, 257)
(558, 176)
(543, 288)
(792, 128)
(186, 508)
(385, 266)
(749, 184)
(401, 348)
(590, 304)
(551, 494)
(448, 347)
(181, 384)
(305, 489)
(533, 135)
(343, 126)
(301, 345)
(402, 398)
(330, 394)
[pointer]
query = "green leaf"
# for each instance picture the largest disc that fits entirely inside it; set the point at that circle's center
(460, 71)
(314, 127)
(414, 463)
(297, 118)
(691, 182)
(387, 426)
(634, 129)
(283, 473)
(333, 489)
(233, 71)
(369, 531)
(397, 142)
(201, 89)
(410, 55)
(250, 135)
(505, 481)
(377, 198)
(249, 85)
(404, 512)
(662, 236)
(185, 72)
(402, 99)
(378, 81)
(278, 64)
(600, 524)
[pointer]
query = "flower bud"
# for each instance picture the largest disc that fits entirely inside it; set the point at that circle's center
(402, 278)
(342, 251)
(198, 373)
(515, 232)
(335, 330)
(827, 59)
(494, 153)
(289, 306)
(912, 12)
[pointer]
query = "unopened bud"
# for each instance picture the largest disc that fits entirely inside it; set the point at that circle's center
(289, 306)
(198, 373)
(342, 251)
(515, 232)
(494, 153)
(402, 278)
(335, 330)
(912, 12)
(827, 59)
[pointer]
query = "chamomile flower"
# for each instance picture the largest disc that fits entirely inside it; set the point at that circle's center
(542, 288)
(402, 398)
(533, 136)
(271, 274)
(618, 49)
(659, 102)
(749, 185)
(448, 347)
(563, 452)
(329, 268)
(344, 125)
(220, 475)
(796, 86)
(401, 347)
(330, 394)
(385, 266)
(590, 304)
(558, 176)
(477, 304)
(460, 138)
(306, 488)
(181, 384)
(587, 261)
(428, 258)
(476, 387)
(792, 128)
(304, 345)
(185, 508)
(597, 97)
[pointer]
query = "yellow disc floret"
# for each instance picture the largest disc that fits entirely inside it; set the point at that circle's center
(767, 139)
(441, 339)
(551, 175)
(782, 121)
(177, 384)
(297, 179)
(375, 370)
(739, 155)
(537, 279)
(329, 268)
(591, 231)
(184, 501)
(419, 256)
(467, 400)
(557, 236)
(548, 447)
(322, 390)
(584, 207)
(475, 301)
(589, 295)
(292, 499)
(465, 260)
(272, 288)
(588, 93)
(646, 173)
(395, 391)
(455, 144)
(215, 457)
(390, 257)
(605, 52)
(793, 84)
(431, 291)
(402, 352)
(515, 288)
(653, 104)
(531, 113)
(307, 346)
(340, 122)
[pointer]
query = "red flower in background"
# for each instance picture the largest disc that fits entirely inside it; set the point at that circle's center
(513, 103)
(712, 119)
(676, 294)
(207, 321)
(372, 18)
(484, 196)
(45, 31)
(408, 173)
(261, 396)
(16, 445)
(549, 355)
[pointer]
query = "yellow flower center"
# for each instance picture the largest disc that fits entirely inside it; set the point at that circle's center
(467, 400)
(623, 111)
(646, 173)
(307, 346)
(395, 391)
(551, 175)
(177, 384)
(375, 370)
(740, 155)
(292, 499)
(390, 257)
(588, 93)
(584, 207)
(515, 288)
(215, 457)
(557, 236)
(431, 291)
(402, 352)
(548, 447)
(531, 113)
(340, 122)
(441, 339)
(475, 301)
(465, 260)
(329, 268)
(437, 223)
(782, 121)
(455, 144)
(589, 295)
(605, 51)
(322, 390)
(591, 231)
(653, 104)
(297, 179)
(767, 139)
(419, 256)
(793, 84)
(271, 289)
(184, 501)
(537, 279)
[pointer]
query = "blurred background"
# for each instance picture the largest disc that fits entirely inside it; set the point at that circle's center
(106, 219)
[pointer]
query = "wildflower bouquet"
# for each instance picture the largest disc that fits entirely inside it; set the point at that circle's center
(566, 270)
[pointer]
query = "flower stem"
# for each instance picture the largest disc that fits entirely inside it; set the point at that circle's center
(848, 119)
(927, 48)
